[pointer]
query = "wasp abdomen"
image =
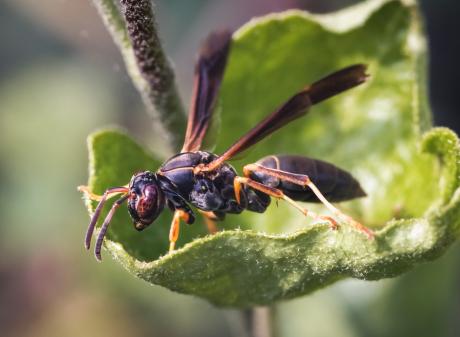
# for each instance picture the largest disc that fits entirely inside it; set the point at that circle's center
(335, 183)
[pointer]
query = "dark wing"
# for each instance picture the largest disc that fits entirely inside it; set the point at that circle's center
(209, 71)
(296, 107)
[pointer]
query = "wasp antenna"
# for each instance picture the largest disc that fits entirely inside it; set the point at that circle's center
(105, 226)
(92, 224)
(102, 199)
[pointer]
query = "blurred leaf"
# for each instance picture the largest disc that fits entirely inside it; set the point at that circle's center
(375, 131)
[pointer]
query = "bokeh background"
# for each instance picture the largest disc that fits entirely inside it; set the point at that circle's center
(61, 77)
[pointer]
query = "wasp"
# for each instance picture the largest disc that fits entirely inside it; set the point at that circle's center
(209, 183)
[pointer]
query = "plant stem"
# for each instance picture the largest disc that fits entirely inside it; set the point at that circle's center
(258, 321)
(134, 31)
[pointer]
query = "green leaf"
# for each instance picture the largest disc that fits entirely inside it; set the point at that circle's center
(379, 131)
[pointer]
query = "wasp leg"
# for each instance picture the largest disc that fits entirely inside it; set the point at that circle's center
(210, 220)
(304, 180)
(276, 193)
(111, 192)
(175, 226)
(90, 195)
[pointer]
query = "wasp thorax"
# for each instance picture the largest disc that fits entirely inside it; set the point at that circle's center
(146, 200)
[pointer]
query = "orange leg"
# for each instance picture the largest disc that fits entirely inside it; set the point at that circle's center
(298, 179)
(276, 193)
(209, 219)
(175, 226)
(108, 194)
(304, 180)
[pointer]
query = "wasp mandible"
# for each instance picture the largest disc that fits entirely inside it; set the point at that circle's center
(209, 183)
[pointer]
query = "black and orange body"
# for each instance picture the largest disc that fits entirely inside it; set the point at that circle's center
(209, 191)
(206, 181)
(215, 192)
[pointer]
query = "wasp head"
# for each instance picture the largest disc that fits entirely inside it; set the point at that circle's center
(146, 199)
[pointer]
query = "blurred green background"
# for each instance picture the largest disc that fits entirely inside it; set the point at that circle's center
(61, 77)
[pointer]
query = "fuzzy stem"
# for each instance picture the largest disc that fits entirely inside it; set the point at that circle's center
(134, 31)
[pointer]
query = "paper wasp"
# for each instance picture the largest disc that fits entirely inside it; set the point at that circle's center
(206, 181)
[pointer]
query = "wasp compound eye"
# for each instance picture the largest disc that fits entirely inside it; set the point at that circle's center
(146, 200)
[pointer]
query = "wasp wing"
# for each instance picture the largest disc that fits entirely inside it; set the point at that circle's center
(297, 106)
(209, 71)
